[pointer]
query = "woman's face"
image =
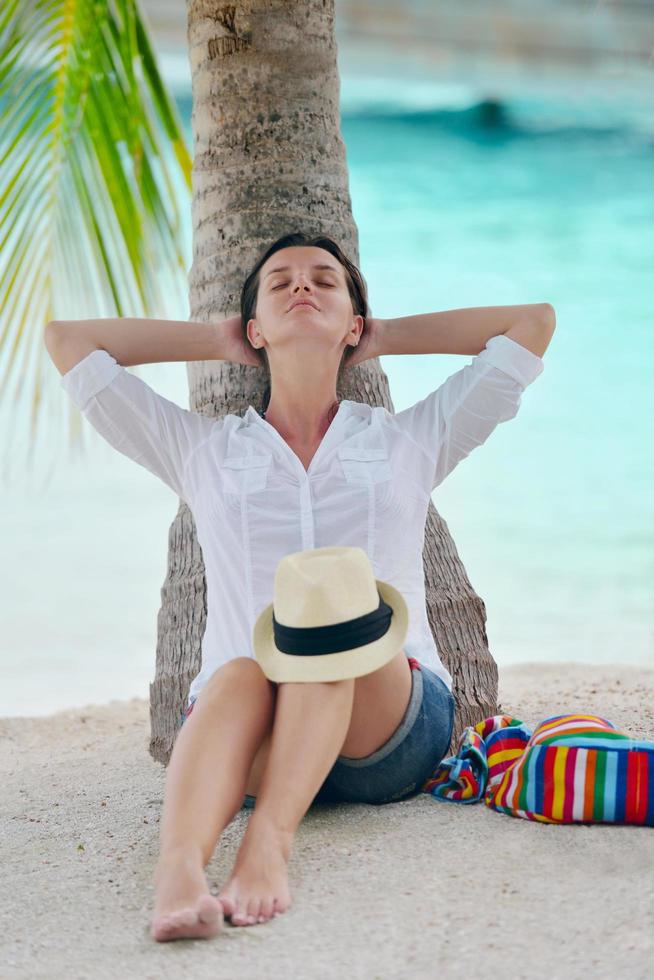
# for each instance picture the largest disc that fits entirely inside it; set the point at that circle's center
(326, 319)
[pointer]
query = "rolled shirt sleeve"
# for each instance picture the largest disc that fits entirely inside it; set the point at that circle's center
(462, 412)
(133, 418)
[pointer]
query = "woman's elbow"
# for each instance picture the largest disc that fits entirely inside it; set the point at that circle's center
(64, 346)
(549, 315)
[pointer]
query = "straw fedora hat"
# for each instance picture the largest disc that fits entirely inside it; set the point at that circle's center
(330, 618)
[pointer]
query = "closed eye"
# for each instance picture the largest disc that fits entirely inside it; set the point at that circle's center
(320, 284)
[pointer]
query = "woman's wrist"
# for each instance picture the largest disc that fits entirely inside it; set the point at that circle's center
(381, 337)
(218, 341)
(231, 343)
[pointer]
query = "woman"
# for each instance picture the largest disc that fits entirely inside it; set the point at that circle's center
(307, 471)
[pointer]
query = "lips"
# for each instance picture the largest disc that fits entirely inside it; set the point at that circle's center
(303, 302)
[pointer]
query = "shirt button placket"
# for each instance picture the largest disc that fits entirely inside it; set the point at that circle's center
(306, 515)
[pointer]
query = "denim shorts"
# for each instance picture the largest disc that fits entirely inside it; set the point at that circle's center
(403, 764)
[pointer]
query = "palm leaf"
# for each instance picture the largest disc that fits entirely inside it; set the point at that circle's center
(91, 152)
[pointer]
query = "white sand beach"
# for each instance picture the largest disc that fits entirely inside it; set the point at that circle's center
(418, 889)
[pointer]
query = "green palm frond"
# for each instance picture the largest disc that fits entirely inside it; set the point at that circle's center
(90, 148)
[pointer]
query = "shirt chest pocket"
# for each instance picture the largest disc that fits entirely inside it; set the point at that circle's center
(365, 466)
(246, 474)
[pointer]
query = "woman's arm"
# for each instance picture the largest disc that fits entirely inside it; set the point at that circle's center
(467, 330)
(132, 340)
(459, 415)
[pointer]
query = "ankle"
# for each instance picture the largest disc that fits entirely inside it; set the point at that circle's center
(261, 824)
(176, 851)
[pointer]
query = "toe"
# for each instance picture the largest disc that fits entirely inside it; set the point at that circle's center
(239, 916)
(228, 904)
(186, 918)
(253, 910)
(162, 928)
(210, 910)
(202, 921)
(267, 907)
(280, 906)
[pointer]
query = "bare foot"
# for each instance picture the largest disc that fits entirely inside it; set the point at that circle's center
(184, 908)
(257, 889)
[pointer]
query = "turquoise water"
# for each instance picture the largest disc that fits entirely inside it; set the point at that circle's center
(553, 517)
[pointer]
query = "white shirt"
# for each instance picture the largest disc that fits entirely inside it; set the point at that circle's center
(368, 484)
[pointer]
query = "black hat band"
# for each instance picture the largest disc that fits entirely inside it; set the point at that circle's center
(310, 640)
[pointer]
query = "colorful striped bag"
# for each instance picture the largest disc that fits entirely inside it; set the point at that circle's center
(572, 769)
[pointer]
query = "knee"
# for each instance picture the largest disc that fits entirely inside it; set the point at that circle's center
(239, 672)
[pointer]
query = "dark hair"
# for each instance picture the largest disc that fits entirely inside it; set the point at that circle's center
(356, 285)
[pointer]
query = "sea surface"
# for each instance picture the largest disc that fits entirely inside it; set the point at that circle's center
(459, 203)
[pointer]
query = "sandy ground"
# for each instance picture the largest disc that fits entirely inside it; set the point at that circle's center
(414, 889)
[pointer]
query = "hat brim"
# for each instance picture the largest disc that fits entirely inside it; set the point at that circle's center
(279, 666)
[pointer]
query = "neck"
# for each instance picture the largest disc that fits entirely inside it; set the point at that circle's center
(301, 423)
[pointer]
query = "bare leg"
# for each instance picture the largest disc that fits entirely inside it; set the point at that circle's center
(205, 785)
(310, 726)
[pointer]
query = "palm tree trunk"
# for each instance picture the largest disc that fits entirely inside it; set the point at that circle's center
(269, 158)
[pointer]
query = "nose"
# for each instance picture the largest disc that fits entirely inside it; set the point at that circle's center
(302, 289)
